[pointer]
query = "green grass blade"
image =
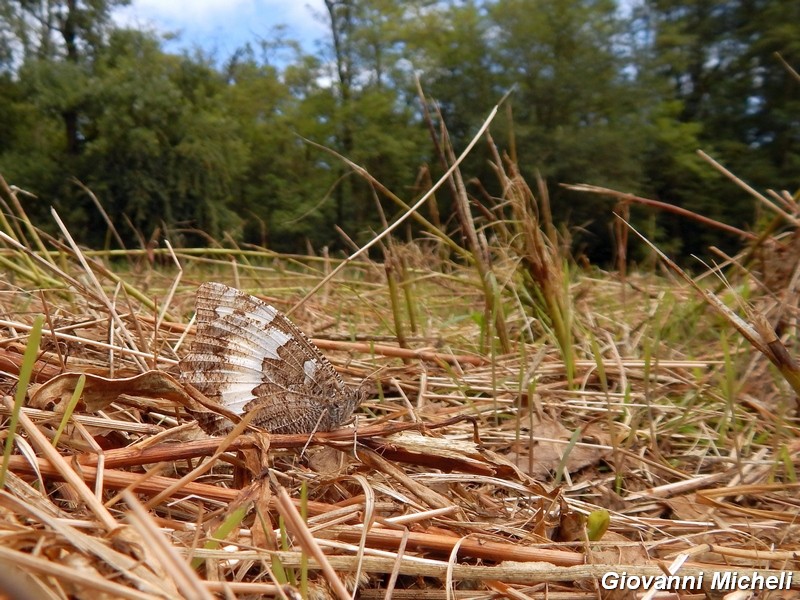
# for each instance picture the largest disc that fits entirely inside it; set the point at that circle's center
(231, 522)
(25, 372)
(73, 402)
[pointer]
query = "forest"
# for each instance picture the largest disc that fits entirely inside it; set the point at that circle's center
(133, 144)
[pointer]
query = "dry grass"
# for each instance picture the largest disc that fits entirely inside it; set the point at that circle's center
(521, 398)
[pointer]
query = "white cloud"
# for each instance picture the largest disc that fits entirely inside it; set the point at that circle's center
(224, 25)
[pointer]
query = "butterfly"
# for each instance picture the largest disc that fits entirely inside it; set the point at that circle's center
(248, 356)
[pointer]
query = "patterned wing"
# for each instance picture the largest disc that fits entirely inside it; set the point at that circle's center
(248, 356)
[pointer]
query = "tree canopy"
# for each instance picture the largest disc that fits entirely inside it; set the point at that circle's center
(196, 147)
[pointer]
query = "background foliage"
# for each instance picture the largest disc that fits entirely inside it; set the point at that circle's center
(189, 146)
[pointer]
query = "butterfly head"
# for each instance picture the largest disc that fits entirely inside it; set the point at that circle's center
(352, 397)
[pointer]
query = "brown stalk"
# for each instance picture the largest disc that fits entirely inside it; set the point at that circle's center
(390, 539)
(665, 206)
(64, 470)
(186, 580)
(422, 492)
(761, 335)
(479, 252)
(296, 526)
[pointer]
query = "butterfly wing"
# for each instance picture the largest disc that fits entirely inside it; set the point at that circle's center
(249, 356)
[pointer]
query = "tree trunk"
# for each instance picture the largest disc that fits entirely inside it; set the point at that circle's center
(70, 116)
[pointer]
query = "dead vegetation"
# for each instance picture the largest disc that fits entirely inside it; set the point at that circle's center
(530, 427)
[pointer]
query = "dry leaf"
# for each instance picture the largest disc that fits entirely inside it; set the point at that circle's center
(544, 457)
(99, 392)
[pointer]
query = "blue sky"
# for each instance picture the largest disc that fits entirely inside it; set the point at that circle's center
(221, 26)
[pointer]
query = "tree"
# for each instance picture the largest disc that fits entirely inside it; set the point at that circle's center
(719, 65)
(160, 148)
(372, 123)
(573, 91)
(449, 45)
(277, 183)
(63, 37)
